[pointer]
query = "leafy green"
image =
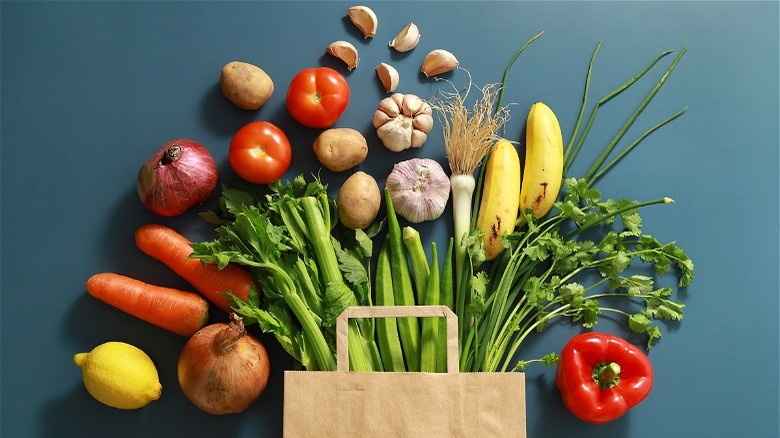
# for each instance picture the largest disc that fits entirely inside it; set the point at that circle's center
(306, 277)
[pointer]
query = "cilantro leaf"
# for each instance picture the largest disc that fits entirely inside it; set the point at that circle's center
(635, 285)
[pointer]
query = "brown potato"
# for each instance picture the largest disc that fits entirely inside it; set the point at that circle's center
(358, 201)
(246, 85)
(340, 149)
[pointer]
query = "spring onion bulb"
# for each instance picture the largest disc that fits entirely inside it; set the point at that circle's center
(469, 134)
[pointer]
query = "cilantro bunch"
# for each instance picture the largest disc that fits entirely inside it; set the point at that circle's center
(576, 261)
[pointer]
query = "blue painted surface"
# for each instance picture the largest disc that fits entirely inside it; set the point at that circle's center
(91, 89)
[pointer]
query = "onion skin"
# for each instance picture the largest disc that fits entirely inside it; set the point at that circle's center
(182, 174)
(222, 368)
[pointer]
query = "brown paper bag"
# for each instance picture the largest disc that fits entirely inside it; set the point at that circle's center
(384, 404)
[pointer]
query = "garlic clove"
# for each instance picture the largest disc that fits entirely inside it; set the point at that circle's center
(423, 122)
(345, 51)
(412, 104)
(380, 118)
(406, 39)
(364, 19)
(390, 106)
(388, 75)
(418, 138)
(419, 189)
(398, 99)
(437, 62)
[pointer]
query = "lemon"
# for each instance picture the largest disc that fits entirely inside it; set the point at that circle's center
(119, 375)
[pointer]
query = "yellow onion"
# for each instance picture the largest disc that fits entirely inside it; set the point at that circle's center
(222, 368)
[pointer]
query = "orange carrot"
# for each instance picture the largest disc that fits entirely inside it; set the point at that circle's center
(175, 310)
(173, 249)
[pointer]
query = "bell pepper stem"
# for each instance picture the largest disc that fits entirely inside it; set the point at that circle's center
(606, 374)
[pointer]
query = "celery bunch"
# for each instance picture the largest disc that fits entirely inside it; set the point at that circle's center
(306, 277)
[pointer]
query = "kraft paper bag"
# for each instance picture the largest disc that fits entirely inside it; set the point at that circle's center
(413, 404)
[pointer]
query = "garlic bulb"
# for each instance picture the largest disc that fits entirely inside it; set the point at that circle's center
(419, 188)
(403, 121)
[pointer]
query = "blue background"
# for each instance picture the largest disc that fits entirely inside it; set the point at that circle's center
(91, 89)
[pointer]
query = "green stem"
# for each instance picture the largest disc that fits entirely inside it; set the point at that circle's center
(519, 313)
(584, 104)
(500, 99)
(520, 337)
(465, 351)
(310, 295)
(509, 273)
(319, 233)
(601, 219)
(462, 187)
(630, 147)
(295, 224)
(606, 375)
(595, 167)
(317, 216)
(311, 329)
(570, 157)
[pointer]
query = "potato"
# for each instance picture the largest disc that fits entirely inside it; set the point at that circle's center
(340, 149)
(358, 201)
(246, 85)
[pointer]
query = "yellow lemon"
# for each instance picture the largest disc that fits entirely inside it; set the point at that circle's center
(119, 375)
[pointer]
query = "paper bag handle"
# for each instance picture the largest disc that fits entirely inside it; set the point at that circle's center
(342, 329)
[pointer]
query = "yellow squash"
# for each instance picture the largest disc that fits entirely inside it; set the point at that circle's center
(500, 195)
(543, 162)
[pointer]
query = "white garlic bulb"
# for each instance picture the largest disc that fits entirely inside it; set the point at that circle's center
(403, 121)
(419, 189)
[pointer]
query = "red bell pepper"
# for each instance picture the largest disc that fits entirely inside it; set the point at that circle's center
(601, 376)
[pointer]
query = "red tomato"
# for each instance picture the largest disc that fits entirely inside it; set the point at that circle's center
(317, 97)
(260, 152)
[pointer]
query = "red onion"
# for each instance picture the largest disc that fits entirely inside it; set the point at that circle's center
(180, 175)
(222, 368)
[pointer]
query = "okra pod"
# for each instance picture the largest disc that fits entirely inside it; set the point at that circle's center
(420, 268)
(387, 328)
(430, 326)
(408, 328)
(446, 298)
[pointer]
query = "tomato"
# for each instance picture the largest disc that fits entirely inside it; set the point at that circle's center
(260, 152)
(317, 97)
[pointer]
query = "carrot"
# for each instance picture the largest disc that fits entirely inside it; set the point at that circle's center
(174, 310)
(173, 249)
